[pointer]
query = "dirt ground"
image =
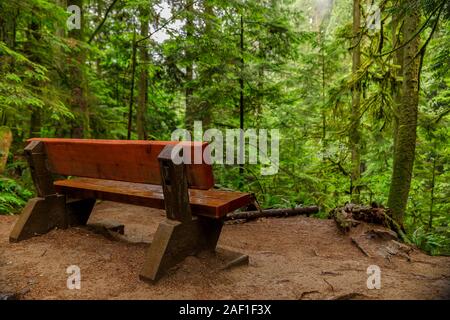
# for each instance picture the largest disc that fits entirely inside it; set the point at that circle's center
(290, 258)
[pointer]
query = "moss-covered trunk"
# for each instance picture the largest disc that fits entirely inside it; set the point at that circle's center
(407, 119)
(32, 50)
(355, 136)
(397, 34)
(77, 79)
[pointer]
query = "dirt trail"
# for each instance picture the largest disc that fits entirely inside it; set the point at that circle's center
(290, 258)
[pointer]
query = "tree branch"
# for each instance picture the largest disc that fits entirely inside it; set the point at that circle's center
(416, 34)
(103, 21)
(167, 22)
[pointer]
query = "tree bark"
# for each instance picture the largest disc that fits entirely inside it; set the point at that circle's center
(77, 81)
(35, 123)
(398, 61)
(406, 135)
(356, 102)
(248, 215)
(133, 75)
(433, 184)
(189, 76)
(143, 78)
(241, 100)
(33, 39)
(8, 17)
(209, 19)
(60, 30)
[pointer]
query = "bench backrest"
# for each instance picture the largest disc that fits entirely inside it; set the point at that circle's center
(123, 160)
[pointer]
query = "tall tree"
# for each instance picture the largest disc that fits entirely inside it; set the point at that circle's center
(77, 78)
(33, 38)
(143, 76)
(397, 34)
(209, 31)
(356, 103)
(190, 113)
(241, 96)
(407, 117)
(8, 23)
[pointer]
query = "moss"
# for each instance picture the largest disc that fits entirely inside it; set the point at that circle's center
(407, 123)
(5, 144)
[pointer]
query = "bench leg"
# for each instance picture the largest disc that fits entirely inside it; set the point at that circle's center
(39, 216)
(174, 241)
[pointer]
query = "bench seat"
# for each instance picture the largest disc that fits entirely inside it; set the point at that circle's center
(210, 203)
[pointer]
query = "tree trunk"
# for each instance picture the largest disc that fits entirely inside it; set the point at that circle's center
(398, 60)
(59, 29)
(143, 78)
(241, 101)
(324, 112)
(99, 15)
(190, 112)
(60, 32)
(77, 81)
(356, 102)
(8, 17)
(35, 123)
(209, 21)
(133, 75)
(407, 122)
(33, 39)
(433, 184)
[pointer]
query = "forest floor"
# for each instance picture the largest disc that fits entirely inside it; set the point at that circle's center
(290, 258)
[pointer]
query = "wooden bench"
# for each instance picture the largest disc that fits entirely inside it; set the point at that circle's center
(134, 172)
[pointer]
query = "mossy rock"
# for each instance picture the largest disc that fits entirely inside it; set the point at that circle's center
(5, 144)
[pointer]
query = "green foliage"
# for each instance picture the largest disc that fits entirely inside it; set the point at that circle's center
(13, 196)
(435, 242)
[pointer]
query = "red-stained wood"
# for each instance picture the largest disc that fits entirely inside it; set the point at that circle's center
(122, 160)
(210, 203)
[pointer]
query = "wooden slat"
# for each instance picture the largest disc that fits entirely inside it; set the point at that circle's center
(211, 203)
(122, 160)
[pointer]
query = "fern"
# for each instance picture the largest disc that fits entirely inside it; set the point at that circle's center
(12, 196)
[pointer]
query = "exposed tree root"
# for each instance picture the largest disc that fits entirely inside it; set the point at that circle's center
(351, 215)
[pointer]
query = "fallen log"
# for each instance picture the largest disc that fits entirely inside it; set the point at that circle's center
(250, 215)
